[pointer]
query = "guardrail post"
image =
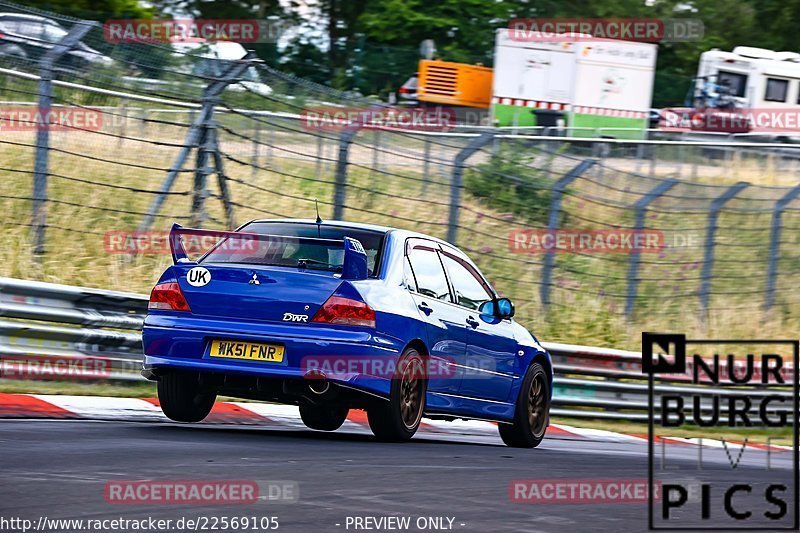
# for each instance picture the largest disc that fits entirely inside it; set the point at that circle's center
(638, 225)
(40, 170)
(552, 223)
(711, 230)
(455, 184)
(340, 180)
(774, 244)
(202, 131)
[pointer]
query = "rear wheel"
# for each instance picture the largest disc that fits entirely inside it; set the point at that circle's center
(182, 398)
(326, 417)
(399, 418)
(531, 413)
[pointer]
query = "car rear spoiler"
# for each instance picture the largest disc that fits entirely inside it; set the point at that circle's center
(354, 265)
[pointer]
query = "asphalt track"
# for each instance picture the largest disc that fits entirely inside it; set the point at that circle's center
(59, 468)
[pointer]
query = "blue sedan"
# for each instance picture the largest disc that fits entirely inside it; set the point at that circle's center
(333, 316)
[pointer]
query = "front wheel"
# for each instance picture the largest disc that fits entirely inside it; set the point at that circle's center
(327, 417)
(399, 418)
(531, 413)
(182, 398)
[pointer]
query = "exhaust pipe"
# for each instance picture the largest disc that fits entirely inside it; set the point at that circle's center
(317, 382)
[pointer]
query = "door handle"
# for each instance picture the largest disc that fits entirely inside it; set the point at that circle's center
(472, 322)
(424, 308)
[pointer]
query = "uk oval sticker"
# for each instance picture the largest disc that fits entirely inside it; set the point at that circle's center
(198, 276)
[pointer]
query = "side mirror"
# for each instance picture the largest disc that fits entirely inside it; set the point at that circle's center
(505, 309)
(502, 308)
(487, 309)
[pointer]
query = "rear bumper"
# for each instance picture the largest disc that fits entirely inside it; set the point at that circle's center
(182, 343)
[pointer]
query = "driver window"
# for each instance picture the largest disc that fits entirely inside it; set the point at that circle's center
(470, 291)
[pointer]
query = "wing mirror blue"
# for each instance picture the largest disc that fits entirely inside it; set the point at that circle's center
(500, 308)
(505, 309)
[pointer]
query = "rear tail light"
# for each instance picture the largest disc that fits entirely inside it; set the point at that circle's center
(168, 297)
(340, 310)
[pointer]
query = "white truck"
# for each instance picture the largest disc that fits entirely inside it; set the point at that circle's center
(605, 86)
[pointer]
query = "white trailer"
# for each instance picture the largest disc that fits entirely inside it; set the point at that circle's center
(756, 78)
(605, 84)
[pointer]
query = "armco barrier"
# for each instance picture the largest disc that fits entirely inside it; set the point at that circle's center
(43, 323)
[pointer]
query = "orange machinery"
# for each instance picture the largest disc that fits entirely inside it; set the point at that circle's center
(455, 84)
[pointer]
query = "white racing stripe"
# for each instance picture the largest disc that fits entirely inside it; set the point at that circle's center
(104, 407)
(288, 416)
(463, 427)
(601, 434)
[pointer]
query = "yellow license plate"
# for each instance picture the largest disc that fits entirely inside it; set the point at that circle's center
(268, 353)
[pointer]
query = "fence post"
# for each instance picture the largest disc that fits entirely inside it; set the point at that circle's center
(123, 127)
(204, 149)
(711, 230)
(340, 180)
(40, 170)
(774, 244)
(426, 165)
(143, 123)
(552, 223)
(653, 159)
(641, 211)
(201, 131)
(256, 147)
(270, 148)
(320, 155)
(455, 184)
(376, 151)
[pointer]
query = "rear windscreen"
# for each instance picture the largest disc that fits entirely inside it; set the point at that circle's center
(286, 250)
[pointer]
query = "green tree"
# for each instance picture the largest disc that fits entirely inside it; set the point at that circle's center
(99, 10)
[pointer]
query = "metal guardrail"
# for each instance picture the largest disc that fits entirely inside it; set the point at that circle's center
(41, 323)
(61, 330)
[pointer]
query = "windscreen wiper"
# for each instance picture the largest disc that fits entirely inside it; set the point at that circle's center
(303, 262)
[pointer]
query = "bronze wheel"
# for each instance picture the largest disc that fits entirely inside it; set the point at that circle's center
(537, 405)
(411, 390)
(531, 412)
(398, 417)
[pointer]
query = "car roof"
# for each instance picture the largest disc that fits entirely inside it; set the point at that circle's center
(357, 225)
